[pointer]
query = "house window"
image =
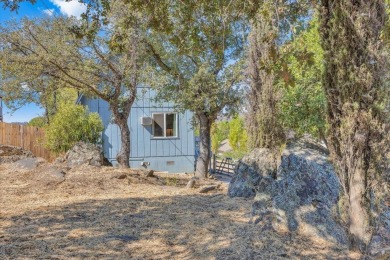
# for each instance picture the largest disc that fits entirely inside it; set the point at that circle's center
(164, 125)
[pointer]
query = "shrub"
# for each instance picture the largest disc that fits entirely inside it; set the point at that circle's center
(72, 123)
(39, 121)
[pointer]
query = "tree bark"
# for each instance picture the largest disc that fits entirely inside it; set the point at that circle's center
(359, 209)
(202, 163)
(123, 156)
(264, 129)
(354, 84)
(121, 115)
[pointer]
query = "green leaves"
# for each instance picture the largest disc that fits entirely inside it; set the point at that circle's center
(238, 137)
(39, 121)
(233, 130)
(303, 103)
(219, 132)
(72, 123)
(190, 49)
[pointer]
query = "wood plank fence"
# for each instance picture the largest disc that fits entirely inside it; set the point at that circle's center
(27, 137)
(226, 166)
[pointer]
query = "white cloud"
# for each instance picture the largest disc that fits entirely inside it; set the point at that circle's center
(72, 8)
(49, 12)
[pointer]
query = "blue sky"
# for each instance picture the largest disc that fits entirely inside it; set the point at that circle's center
(39, 9)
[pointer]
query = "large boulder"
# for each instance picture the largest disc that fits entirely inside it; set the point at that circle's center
(84, 153)
(28, 164)
(250, 170)
(380, 243)
(50, 175)
(303, 195)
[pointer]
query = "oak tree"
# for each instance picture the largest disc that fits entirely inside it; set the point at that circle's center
(102, 63)
(196, 51)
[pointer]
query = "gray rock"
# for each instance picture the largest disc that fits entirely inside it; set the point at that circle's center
(28, 163)
(302, 198)
(52, 175)
(250, 170)
(379, 247)
(84, 153)
(190, 184)
(208, 188)
(148, 173)
(59, 160)
(306, 195)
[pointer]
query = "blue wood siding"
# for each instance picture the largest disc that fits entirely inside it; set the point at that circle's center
(172, 154)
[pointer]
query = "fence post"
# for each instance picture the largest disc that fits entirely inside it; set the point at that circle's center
(228, 160)
(214, 164)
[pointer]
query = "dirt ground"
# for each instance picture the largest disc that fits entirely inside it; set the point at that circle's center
(110, 213)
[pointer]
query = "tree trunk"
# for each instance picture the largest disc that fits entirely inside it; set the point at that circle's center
(353, 81)
(359, 209)
(123, 156)
(264, 129)
(121, 112)
(203, 160)
(47, 113)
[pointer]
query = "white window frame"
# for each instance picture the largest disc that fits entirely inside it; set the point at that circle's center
(165, 125)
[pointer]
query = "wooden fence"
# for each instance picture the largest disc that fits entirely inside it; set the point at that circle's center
(27, 137)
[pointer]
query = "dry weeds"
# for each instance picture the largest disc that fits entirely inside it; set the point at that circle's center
(120, 214)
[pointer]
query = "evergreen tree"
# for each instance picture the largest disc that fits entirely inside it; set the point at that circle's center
(357, 103)
(264, 128)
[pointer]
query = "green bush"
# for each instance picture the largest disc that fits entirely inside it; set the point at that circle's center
(39, 121)
(72, 123)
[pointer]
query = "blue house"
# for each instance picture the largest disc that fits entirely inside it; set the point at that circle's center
(161, 138)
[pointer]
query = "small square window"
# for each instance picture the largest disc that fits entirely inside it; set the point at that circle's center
(164, 125)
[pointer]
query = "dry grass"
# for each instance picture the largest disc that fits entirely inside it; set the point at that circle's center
(120, 214)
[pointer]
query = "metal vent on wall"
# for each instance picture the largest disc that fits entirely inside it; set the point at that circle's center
(146, 120)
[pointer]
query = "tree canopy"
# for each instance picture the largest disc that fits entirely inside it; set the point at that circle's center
(40, 54)
(196, 59)
(303, 103)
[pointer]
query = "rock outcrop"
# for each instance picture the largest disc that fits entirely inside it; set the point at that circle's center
(28, 163)
(299, 192)
(250, 170)
(9, 154)
(51, 175)
(379, 247)
(84, 153)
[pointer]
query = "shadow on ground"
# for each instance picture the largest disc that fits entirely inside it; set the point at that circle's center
(170, 227)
